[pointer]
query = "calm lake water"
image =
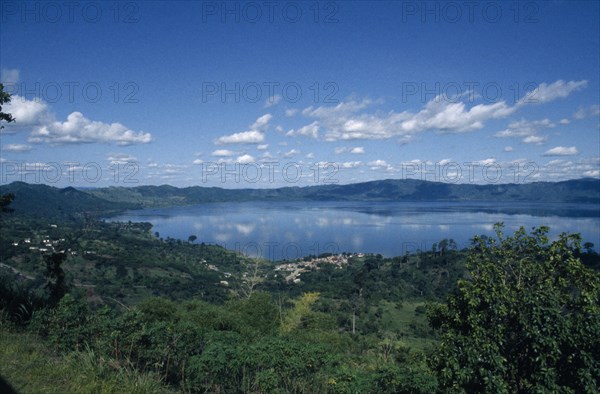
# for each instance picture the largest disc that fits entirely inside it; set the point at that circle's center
(288, 230)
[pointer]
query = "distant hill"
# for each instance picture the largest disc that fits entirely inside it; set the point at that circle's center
(573, 191)
(47, 200)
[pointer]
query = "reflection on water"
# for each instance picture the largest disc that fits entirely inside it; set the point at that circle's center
(280, 230)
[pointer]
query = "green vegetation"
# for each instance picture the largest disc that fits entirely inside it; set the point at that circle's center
(527, 319)
(91, 306)
(69, 202)
(4, 99)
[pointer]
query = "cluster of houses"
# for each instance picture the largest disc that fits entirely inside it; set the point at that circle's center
(46, 245)
(213, 267)
(293, 270)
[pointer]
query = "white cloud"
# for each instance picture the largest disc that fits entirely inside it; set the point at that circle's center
(262, 147)
(549, 92)
(16, 148)
(485, 162)
(273, 100)
(291, 112)
(347, 121)
(311, 130)
(35, 116)
(223, 153)
(582, 113)
(592, 173)
(77, 129)
(524, 128)
(120, 158)
(358, 150)
(508, 149)
(564, 121)
(378, 163)
(262, 122)
(244, 137)
(291, 153)
(561, 151)
(310, 155)
(343, 122)
(198, 161)
(245, 159)
(26, 113)
(535, 139)
(350, 164)
(253, 136)
(560, 169)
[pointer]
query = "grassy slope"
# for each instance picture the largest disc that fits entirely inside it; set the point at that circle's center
(29, 366)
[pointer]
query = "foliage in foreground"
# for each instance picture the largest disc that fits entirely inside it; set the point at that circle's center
(526, 320)
(32, 367)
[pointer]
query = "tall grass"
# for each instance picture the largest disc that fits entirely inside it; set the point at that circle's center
(28, 365)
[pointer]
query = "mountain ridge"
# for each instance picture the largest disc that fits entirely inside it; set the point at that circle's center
(45, 199)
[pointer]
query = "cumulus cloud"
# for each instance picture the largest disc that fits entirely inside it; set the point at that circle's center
(262, 122)
(18, 148)
(378, 165)
(571, 169)
(244, 137)
(561, 151)
(77, 129)
(527, 130)
(291, 153)
(273, 100)
(26, 112)
(350, 164)
(549, 92)
(582, 113)
(245, 159)
(534, 139)
(253, 136)
(223, 153)
(524, 128)
(35, 116)
(349, 120)
(120, 158)
(358, 150)
(508, 149)
(311, 130)
(344, 122)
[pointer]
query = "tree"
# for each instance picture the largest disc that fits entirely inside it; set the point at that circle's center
(526, 319)
(192, 238)
(57, 284)
(5, 201)
(4, 99)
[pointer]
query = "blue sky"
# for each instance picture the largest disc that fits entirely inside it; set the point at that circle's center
(269, 94)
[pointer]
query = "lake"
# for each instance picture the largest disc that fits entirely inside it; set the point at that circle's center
(289, 230)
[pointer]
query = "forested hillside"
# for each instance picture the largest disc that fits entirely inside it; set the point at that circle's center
(137, 312)
(62, 202)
